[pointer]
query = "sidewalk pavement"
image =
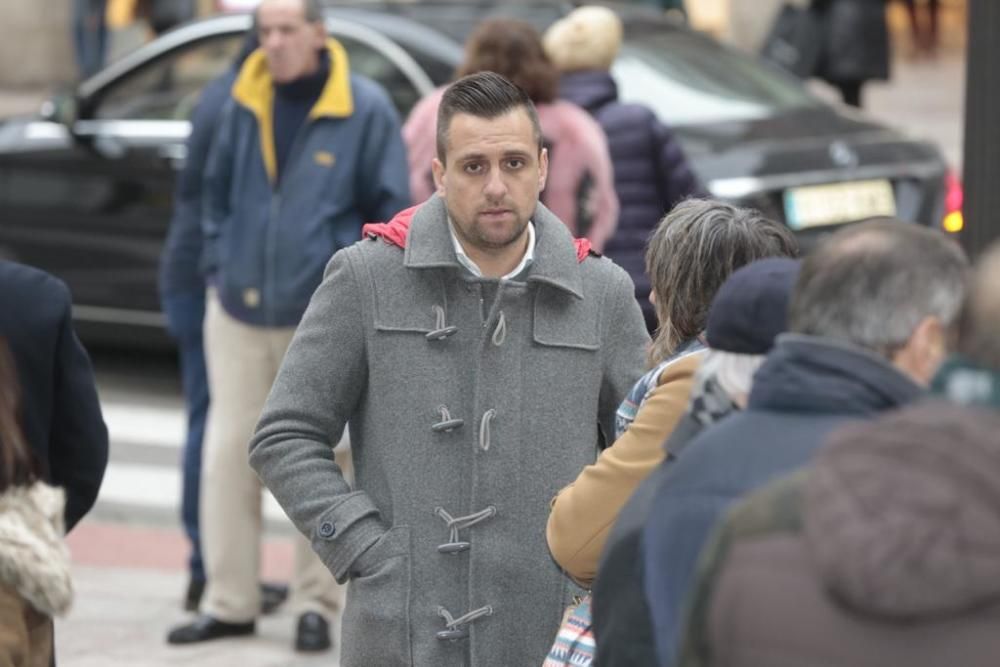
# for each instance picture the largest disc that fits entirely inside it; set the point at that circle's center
(129, 583)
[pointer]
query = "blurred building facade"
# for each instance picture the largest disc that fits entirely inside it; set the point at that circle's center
(37, 49)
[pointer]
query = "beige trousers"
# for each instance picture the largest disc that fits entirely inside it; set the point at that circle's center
(242, 362)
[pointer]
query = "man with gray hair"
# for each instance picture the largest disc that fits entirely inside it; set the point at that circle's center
(929, 470)
(305, 153)
(870, 319)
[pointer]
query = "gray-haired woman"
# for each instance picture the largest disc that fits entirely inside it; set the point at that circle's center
(691, 253)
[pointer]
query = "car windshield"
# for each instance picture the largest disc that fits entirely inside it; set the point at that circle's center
(687, 79)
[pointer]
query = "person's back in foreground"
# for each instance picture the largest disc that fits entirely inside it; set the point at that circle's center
(888, 541)
(747, 313)
(475, 349)
(868, 324)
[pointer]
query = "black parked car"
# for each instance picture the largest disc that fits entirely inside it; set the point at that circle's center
(85, 186)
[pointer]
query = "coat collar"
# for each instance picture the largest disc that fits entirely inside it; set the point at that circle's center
(590, 89)
(429, 246)
(254, 90)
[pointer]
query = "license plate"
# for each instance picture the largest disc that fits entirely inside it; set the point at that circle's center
(819, 205)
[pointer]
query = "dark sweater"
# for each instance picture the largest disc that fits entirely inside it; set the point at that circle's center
(292, 103)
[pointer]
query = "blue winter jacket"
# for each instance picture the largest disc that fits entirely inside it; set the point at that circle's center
(807, 387)
(180, 263)
(266, 245)
(651, 171)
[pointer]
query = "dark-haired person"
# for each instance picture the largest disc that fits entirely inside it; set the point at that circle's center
(305, 153)
(35, 580)
(580, 188)
(869, 321)
(477, 353)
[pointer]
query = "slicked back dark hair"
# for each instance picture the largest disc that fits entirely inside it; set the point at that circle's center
(483, 95)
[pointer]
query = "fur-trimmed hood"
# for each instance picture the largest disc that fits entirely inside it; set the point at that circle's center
(34, 559)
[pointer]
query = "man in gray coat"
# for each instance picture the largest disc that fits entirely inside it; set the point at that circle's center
(478, 353)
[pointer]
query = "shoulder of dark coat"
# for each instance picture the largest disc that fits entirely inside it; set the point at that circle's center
(32, 286)
(775, 508)
(627, 115)
(32, 302)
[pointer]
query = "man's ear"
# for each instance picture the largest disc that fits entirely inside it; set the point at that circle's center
(437, 169)
(319, 34)
(924, 353)
(543, 168)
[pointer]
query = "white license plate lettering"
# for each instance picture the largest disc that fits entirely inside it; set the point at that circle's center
(819, 205)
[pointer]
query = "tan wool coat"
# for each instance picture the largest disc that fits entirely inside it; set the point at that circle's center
(584, 512)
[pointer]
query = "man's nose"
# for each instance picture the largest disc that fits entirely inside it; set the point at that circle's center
(271, 41)
(496, 186)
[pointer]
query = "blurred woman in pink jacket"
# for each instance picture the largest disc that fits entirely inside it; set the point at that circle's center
(580, 188)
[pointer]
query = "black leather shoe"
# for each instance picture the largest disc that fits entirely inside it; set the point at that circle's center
(272, 596)
(312, 634)
(205, 627)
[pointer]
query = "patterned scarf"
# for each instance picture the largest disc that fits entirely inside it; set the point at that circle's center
(641, 390)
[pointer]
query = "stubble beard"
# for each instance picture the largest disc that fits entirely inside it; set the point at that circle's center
(478, 239)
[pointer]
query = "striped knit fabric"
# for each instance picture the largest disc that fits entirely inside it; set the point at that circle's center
(574, 644)
(641, 390)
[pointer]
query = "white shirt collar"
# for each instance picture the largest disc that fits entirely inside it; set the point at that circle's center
(463, 259)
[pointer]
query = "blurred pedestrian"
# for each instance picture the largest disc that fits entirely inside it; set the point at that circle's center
(924, 24)
(304, 153)
(580, 187)
(60, 413)
(972, 376)
(477, 353)
(855, 45)
(673, 8)
(182, 296)
(919, 484)
(869, 323)
(60, 421)
(747, 314)
(651, 171)
(90, 35)
(35, 580)
(163, 15)
(691, 254)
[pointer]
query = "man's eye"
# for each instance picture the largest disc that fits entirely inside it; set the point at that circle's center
(515, 163)
(473, 168)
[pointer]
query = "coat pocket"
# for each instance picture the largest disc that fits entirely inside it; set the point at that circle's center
(376, 623)
(563, 321)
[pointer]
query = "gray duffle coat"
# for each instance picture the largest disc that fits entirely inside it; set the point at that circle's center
(471, 403)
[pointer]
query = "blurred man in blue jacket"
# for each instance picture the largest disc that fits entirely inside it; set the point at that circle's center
(182, 296)
(305, 153)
